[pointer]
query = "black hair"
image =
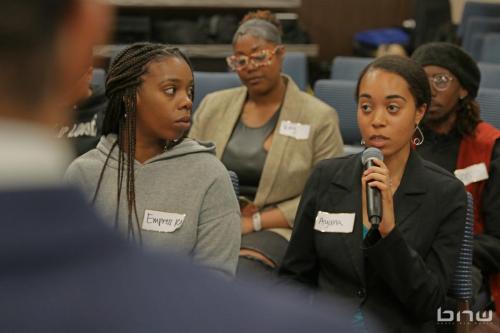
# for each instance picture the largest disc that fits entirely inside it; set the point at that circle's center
(409, 70)
(468, 115)
(28, 30)
(122, 84)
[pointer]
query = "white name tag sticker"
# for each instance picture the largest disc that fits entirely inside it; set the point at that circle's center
(162, 221)
(295, 130)
(333, 222)
(472, 174)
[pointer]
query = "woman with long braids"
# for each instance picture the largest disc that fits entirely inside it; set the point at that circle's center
(175, 194)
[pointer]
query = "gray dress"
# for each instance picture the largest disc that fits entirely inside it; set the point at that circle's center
(245, 154)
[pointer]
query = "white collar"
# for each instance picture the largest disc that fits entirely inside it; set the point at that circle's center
(31, 156)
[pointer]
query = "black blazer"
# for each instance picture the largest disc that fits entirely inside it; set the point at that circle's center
(400, 280)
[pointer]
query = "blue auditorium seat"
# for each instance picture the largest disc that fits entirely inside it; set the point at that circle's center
(98, 77)
(473, 8)
(340, 95)
(295, 65)
(348, 68)
(475, 30)
(490, 75)
(490, 51)
(208, 82)
(461, 282)
(489, 101)
(235, 180)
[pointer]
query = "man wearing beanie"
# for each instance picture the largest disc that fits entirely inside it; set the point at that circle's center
(459, 141)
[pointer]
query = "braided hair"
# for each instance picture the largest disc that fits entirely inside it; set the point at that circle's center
(122, 84)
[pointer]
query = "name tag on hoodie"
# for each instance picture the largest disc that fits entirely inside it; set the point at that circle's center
(295, 130)
(472, 174)
(162, 221)
(333, 222)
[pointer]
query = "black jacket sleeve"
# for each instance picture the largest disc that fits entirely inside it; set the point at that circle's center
(421, 283)
(487, 245)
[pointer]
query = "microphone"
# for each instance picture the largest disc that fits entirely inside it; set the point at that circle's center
(373, 195)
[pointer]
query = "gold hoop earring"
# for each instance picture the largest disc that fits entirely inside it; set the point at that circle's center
(418, 140)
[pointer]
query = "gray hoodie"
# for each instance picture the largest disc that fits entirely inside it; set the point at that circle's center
(184, 197)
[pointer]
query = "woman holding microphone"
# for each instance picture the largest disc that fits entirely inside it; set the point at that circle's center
(398, 271)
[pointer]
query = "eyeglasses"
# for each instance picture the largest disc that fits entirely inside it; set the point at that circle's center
(441, 81)
(257, 59)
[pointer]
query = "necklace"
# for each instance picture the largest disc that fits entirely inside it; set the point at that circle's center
(169, 144)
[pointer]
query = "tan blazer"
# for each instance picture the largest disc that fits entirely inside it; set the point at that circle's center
(289, 161)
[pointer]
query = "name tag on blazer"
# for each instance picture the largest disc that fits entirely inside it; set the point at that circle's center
(162, 221)
(334, 222)
(297, 131)
(472, 174)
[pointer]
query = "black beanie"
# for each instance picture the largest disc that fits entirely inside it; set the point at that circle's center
(454, 59)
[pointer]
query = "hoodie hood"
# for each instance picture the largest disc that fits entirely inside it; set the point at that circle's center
(186, 147)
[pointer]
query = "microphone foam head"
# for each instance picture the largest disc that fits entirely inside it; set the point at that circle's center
(370, 153)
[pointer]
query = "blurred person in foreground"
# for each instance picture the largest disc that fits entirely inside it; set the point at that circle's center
(62, 269)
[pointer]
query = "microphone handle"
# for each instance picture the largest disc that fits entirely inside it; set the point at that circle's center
(373, 201)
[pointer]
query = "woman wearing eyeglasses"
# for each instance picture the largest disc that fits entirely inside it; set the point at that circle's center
(271, 134)
(459, 141)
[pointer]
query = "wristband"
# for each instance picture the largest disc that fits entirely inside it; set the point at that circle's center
(256, 222)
